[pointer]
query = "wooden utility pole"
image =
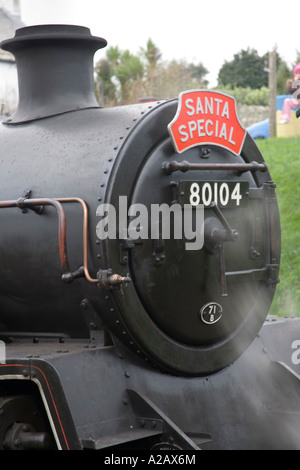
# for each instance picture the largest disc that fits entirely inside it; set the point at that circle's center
(272, 93)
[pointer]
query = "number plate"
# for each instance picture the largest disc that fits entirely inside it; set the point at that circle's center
(223, 193)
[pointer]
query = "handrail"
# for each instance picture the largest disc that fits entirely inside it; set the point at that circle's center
(184, 166)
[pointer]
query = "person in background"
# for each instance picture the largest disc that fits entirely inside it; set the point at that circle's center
(290, 103)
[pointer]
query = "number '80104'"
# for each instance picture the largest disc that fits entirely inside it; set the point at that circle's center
(220, 193)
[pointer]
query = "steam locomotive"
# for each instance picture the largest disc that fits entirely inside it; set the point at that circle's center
(139, 257)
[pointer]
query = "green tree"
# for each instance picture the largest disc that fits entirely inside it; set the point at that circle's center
(129, 70)
(106, 87)
(115, 75)
(282, 75)
(151, 56)
(247, 69)
(151, 53)
(123, 77)
(105, 69)
(198, 72)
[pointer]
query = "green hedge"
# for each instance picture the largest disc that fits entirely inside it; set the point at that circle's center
(248, 95)
(283, 159)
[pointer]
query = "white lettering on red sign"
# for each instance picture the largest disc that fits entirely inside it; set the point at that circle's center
(206, 117)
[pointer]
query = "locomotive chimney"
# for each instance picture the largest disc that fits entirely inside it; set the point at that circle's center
(55, 70)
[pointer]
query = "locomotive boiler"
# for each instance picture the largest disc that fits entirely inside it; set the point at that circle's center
(139, 256)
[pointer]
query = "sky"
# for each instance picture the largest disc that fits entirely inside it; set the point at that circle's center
(208, 32)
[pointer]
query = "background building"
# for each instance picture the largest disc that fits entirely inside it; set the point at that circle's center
(10, 20)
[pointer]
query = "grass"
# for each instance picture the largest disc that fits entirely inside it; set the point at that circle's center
(283, 159)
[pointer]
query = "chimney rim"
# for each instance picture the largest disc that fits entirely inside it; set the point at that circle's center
(39, 34)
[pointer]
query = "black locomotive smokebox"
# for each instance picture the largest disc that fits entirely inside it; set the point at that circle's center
(55, 70)
(187, 311)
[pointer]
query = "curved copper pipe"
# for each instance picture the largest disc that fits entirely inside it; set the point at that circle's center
(85, 236)
(56, 203)
(62, 226)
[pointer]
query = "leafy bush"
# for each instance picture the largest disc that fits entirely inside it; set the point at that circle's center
(248, 95)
